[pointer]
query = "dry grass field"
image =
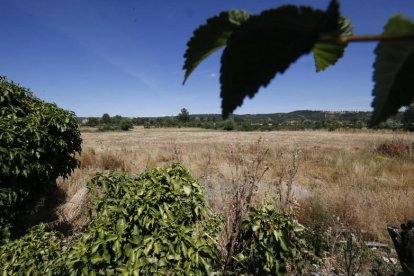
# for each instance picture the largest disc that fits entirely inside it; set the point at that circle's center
(364, 179)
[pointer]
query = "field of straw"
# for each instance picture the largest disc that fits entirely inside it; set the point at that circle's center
(363, 179)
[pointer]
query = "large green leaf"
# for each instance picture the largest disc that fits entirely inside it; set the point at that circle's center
(327, 54)
(267, 44)
(210, 37)
(394, 67)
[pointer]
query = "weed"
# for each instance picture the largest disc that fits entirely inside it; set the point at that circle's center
(246, 175)
(393, 148)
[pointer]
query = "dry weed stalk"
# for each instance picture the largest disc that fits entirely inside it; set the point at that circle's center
(206, 171)
(347, 253)
(284, 180)
(247, 168)
(176, 154)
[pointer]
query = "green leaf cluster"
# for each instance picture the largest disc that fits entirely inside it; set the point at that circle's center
(39, 252)
(270, 242)
(38, 141)
(154, 223)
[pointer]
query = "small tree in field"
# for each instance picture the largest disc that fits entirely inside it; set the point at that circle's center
(106, 119)
(92, 122)
(126, 124)
(183, 116)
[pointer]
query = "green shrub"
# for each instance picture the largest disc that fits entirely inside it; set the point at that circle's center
(271, 242)
(105, 127)
(154, 223)
(126, 125)
(37, 253)
(10, 202)
(228, 125)
(38, 142)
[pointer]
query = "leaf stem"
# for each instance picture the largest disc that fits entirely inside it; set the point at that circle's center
(366, 38)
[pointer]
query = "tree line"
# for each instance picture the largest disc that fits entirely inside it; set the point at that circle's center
(296, 120)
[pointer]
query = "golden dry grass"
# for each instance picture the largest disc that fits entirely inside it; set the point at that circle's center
(342, 171)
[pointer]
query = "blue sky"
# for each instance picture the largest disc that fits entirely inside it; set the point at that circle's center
(125, 57)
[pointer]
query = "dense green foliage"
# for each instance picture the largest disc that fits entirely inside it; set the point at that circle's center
(259, 47)
(39, 252)
(155, 223)
(38, 142)
(38, 139)
(271, 242)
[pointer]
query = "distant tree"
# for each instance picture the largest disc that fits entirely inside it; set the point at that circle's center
(147, 124)
(245, 126)
(391, 123)
(106, 119)
(92, 122)
(183, 116)
(408, 118)
(332, 125)
(117, 119)
(228, 125)
(138, 121)
(126, 124)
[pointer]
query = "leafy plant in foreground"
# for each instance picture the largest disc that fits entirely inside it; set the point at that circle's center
(39, 252)
(154, 223)
(271, 242)
(258, 47)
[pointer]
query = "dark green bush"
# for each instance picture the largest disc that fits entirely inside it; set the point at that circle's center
(126, 124)
(38, 142)
(228, 125)
(155, 223)
(271, 243)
